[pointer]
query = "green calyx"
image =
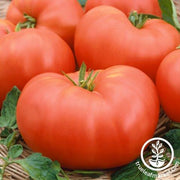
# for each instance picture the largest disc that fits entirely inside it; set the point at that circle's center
(138, 20)
(29, 23)
(86, 83)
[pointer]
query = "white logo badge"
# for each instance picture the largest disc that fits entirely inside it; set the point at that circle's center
(157, 162)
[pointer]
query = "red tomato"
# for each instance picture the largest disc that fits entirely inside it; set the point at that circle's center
(6, 27)
(168, 85)
(141, 6)
(30, 52)
(105, 37)
(60, 16)
(101, 129)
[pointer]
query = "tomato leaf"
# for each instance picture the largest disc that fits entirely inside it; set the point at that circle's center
(132, 172)
(92, 174)
(82, 2)
(39, 167)
(173, 137)
(176, 161)
(1, 174)
(5, 132)
(15, 151)
(9, 141)
(8, 112)
(169, 13)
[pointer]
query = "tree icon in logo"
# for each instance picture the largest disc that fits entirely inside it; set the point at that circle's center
(157, 160)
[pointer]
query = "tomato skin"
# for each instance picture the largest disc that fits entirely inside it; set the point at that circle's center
(110, 39)
(102, 129)
(6, 27)
(127, 6)
(168, 85)
(30, 52)
(60, 16)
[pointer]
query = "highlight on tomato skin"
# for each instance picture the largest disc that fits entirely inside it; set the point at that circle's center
(82, 128)
(127, 6)
(168, 85)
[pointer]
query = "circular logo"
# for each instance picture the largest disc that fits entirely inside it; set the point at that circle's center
(157, 162)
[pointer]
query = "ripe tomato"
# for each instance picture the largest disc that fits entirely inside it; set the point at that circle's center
(141, 6)
(101, 129)
(30, 52)
(60, 16)
(105, 37)
(6, 27)
(168, 85)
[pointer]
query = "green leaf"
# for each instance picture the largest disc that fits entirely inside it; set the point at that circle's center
(1, 174)
(177, 152)
(82, 2)
(93, 174)
(169, 13)
(15, 151)
(56, 166)
(60, 178)
(3, 122)
(5, 132)
(8, 112)
(132, 172)
(39, 167)
(176, 161)
(9, 141)
(2, 141)
(173, 137)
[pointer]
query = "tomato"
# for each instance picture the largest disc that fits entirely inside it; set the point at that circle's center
(105, 37)
(82, 129)
(30, 52)
(141, 6)
(168, 85)
(60, 16)
(6, 27)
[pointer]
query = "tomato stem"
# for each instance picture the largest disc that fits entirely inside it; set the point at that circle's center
(87, 83)
(138, 20)
(29, 23)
